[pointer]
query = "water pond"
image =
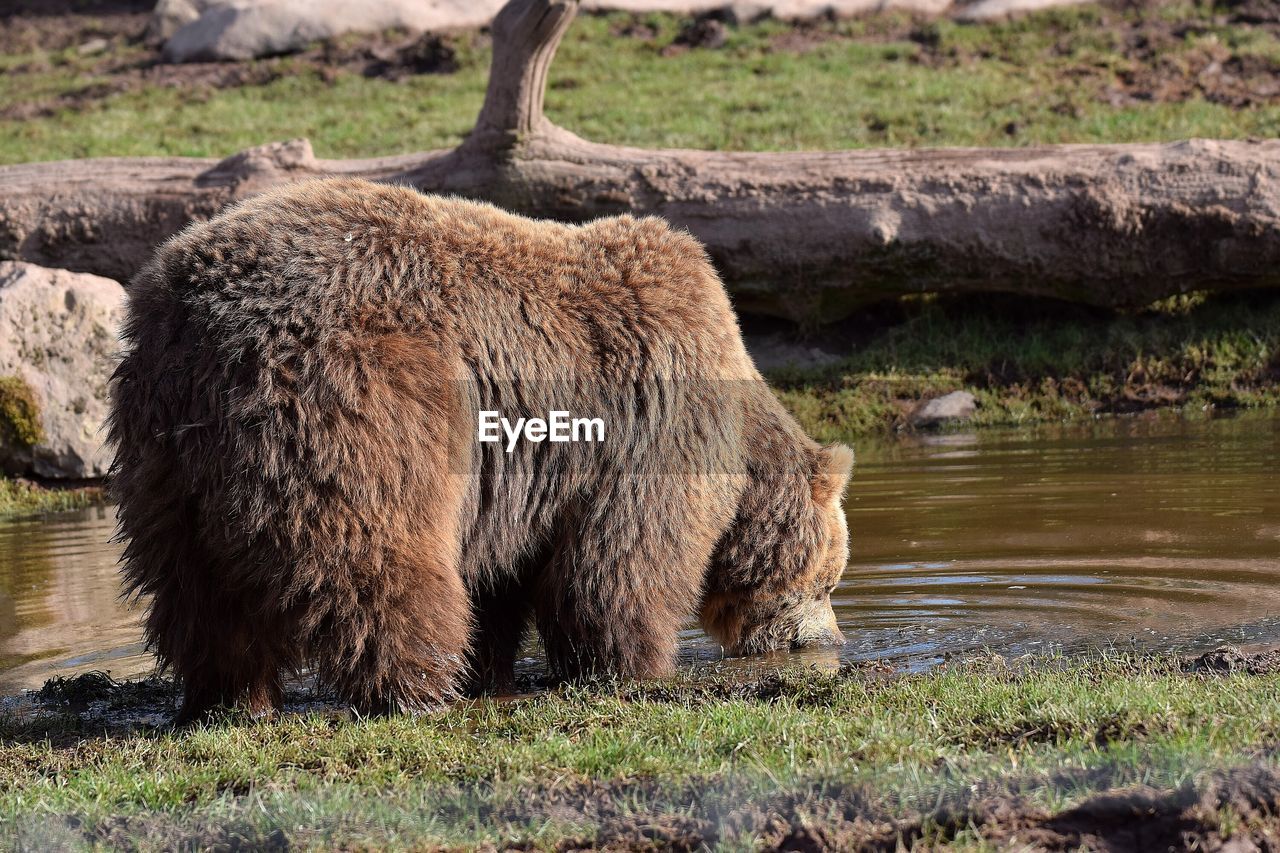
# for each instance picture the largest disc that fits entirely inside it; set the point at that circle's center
(1158, 533)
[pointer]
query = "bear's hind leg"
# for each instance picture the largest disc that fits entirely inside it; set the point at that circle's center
(232, 663)
(258, 691)
(372, 524)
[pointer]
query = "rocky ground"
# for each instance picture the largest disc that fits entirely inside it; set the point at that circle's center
(219, 30)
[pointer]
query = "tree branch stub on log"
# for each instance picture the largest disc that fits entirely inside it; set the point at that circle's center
(806, 235)
(525, 38)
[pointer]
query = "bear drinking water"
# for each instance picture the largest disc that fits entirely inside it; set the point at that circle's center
(301, 485)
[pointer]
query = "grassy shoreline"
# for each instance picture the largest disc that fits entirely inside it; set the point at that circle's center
(20, 498)
(1036, 361)
(980, 753)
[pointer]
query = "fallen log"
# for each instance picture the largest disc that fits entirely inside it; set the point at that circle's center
(805, 235)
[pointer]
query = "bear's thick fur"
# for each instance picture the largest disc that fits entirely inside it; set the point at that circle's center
(300, 483)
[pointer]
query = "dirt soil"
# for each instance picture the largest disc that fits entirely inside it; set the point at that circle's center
(1253, 11)
(847, 818)
(51, 25)
(1228, 659)
(113, 35)
(1215, 72)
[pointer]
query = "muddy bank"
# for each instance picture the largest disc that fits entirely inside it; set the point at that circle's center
(848, 818)
(1240, 807)
(1024, 360)
(1237, 809)
(94, 704)
(1229, 659)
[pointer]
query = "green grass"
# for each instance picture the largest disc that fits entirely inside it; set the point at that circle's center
(551, 766)
(22, 498)
(874, 82)
(1029, 362)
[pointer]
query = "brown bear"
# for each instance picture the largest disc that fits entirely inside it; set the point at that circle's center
(302, 483)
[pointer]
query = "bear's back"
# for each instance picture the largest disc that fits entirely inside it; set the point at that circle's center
(520, 297)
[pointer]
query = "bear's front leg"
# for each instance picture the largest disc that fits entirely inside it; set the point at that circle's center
(500, 610)
(637, 642)
(394, 640)
(621, 585)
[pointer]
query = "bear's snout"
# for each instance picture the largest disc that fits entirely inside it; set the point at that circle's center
(818, 626)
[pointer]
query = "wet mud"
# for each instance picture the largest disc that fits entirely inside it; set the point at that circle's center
(96, 704)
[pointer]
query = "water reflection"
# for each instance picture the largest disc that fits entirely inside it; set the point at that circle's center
(1154, 532)
(1159, 533)
(60, 612)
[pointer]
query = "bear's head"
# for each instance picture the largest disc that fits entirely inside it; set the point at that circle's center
(797, 564)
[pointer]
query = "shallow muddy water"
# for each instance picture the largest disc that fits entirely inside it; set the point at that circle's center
(1164, 534)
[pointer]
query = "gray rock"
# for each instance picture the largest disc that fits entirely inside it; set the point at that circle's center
(916, 7)
(993, 10)
(169, 16)
(675, 7)
(245, 29)
(58, 334)
(745, 12)
(956, 406)
(93, 47)
(807, 10)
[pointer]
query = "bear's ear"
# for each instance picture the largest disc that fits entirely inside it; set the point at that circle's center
(831, 469)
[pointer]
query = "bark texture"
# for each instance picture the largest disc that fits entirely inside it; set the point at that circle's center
(805, 235)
